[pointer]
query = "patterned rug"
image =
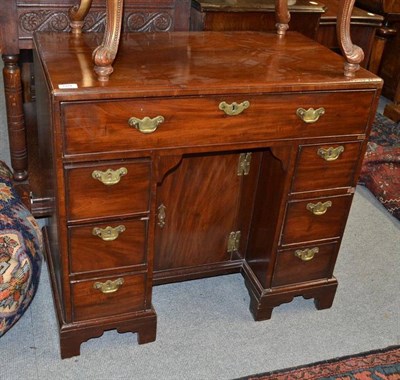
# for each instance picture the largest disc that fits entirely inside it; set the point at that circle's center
(381, 167)
(374, 365)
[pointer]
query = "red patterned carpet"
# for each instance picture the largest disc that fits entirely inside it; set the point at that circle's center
(381, 167)
(374, 365)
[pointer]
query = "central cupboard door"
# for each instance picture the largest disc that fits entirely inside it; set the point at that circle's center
(199, 204)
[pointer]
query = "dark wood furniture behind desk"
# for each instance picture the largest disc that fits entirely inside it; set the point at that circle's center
(209, 153)
(388, 47)
(316, 20)
(18, 21)
(363, 27)
(220, 15)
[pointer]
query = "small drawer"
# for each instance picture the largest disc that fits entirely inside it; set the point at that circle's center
(304, 264)
(315, 219)
(326, 166)
(99, 298)
(108, 189)
(110, 245)
(98, 127)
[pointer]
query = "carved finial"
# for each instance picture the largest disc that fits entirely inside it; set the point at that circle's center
(282, 16)
(352, 53)
(77, 15)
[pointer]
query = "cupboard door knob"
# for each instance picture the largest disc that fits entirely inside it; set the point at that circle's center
(109, 286)
(146, 125)
(110, 176)
(311, 115)
(108, 233)
(234, 108)
(331, 153)
(319, 208)
(306, 254)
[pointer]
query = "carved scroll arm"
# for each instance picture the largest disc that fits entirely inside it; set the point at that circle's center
(352, 53)
(104, 55)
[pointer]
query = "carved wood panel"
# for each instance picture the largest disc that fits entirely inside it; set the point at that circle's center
(156, 16)
(57, 21)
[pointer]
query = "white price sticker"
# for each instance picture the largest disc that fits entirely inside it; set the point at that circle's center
(67, 85)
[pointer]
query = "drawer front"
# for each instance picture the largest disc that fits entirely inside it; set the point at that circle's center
(89, 301)
(108, 189)
(93, 127)
(326, 166)
(109, 245)
(302, 224)
(304, 264)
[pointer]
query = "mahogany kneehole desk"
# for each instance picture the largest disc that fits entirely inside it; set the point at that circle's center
(205, 153)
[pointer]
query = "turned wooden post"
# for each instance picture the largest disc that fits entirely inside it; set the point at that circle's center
(282, 15)
(15, 116)
(77, 15)
(381, 37)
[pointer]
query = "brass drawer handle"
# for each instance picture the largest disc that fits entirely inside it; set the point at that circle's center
(330, 154)
(108, 233)
(234, 108)
(110, 176)
(306, 254)
(146, 125)
(319, 208)
(109, 286)
(311, 115)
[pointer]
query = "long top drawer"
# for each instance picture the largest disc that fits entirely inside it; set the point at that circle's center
(114, 126)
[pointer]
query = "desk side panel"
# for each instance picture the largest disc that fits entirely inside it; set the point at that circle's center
(46, 163)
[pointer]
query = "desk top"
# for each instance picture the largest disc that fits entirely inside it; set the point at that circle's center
(182, 63)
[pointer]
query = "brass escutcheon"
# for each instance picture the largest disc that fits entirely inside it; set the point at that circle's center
(306, 254)
(161, 215)
(109, 286)
(146, 125)
(234, 108)
(319, 208)
(110, 176)
(330, 154)
(311, 115)
(108, 233)
(244, 164)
